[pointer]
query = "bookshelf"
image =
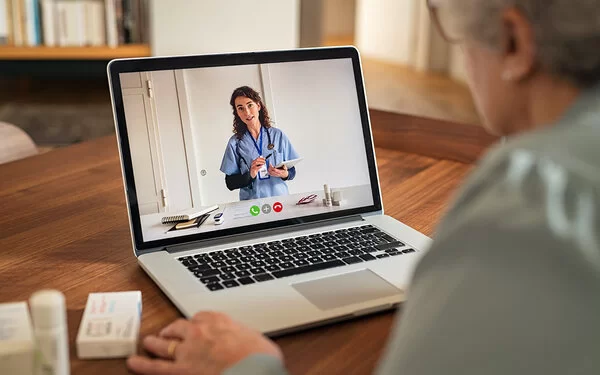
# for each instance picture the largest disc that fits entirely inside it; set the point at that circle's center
(74, 53)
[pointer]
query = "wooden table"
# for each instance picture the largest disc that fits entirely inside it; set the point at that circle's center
(63, 225)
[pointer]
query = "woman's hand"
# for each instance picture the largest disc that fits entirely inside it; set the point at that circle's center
(278, 172)
(256, 165)
(209, 343)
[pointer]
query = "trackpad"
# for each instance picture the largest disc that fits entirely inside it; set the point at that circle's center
(346, 289)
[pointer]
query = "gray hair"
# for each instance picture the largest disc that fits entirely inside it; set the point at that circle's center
(567, 33)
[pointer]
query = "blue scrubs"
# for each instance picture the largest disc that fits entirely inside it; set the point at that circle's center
(239, 155)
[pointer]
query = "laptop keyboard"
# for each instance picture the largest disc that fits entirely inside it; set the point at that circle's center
(262, 262)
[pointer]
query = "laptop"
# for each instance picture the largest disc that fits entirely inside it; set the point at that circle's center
(281, 249)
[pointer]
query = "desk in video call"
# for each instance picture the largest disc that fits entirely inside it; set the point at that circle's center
(238, 213)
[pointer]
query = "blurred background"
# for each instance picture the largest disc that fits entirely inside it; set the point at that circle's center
(53, 53)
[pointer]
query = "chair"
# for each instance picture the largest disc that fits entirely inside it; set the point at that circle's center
(15, 144)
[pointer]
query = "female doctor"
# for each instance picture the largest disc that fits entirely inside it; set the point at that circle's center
(254, 150)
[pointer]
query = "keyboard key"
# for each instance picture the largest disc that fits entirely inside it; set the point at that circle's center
(273, 267)
(383, 256)
(207, 273)
(388, 238)
(317, 246)
(366, 257)
(200, 267)
(301, 262)
(227, 276)
(233, 261)
(258, 270)
(257, 263)
(288, 240)
(310, 268)
(394, 253)
(370, 249)
(355, 252)
(246, 280)
(301, 256)
(370, 230)
(219, 258)
(277, 254)
(209, 280)
(276, 247)
(352, 260)
(286, 265)
(243, 266)
(259, 246)
(274, 243)
(246, 259)
(245, 248)
(272, 261)
(200, 256)
(389, 245)
(392, 250)
(219, 264)
(263, 277)
(342, 254)
(242, 273)
(314, 253)
(328, 257)
(408, 251)
(214, 286)
(314, 259)
(228, 269)
(230, 284)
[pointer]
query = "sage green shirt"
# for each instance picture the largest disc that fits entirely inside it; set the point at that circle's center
(511, 284)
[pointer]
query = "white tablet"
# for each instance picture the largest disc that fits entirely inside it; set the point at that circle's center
(289, 163)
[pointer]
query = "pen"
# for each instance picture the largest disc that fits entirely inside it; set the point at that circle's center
(268, 156)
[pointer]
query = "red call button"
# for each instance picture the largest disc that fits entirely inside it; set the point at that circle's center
(277, 207)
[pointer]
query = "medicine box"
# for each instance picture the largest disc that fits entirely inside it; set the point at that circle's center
(110, 325)
(17, 343)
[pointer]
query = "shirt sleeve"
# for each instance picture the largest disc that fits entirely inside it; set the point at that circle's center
(511, 282)
(229, 165)
(257, 364)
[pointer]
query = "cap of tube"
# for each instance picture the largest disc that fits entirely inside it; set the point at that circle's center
(47, 309)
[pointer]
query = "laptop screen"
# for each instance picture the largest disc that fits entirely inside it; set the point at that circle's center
(226, 149)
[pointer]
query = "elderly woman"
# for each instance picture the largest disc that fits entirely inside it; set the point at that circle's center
(511, 284)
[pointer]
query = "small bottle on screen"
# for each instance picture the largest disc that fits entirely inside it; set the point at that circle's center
(327, 195)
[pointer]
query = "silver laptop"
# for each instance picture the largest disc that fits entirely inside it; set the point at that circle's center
(252, 187)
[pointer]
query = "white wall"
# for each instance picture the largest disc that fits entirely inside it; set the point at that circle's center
(208, 93)
(317, 107)
(189, 27)
(386, 29)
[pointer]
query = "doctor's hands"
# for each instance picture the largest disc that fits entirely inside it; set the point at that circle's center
(256, 165)
(209, 343)
(278, 172)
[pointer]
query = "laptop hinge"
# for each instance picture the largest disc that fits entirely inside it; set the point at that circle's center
(258, 234)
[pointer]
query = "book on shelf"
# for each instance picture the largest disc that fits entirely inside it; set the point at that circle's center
(73, 22)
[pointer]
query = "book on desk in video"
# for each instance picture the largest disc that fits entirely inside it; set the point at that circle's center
(188, 215)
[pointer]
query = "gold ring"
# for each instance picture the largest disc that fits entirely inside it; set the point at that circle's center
(171, 349)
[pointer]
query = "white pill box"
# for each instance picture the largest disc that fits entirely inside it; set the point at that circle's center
(110, 325)
(17, 342)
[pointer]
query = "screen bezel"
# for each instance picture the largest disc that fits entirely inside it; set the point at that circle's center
(116, 67)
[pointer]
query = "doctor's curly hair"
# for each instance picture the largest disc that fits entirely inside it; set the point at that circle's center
(239, 127)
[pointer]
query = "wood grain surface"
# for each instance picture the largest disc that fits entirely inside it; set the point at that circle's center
(430, 137)
(63, 225)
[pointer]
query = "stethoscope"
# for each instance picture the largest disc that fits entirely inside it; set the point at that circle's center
(270, 146)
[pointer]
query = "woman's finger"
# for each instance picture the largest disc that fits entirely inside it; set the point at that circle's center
(147, 366)
(159, 346)
(179, 329)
